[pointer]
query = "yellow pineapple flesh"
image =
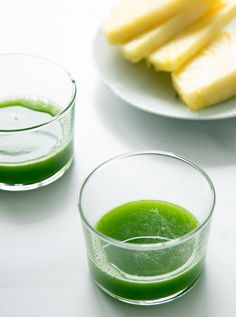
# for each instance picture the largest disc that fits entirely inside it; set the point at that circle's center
(210, 77)
(188, 43)
(145, 44)
(132, 17)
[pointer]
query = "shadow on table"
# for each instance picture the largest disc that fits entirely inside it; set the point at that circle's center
(206, 142)
(36, 205)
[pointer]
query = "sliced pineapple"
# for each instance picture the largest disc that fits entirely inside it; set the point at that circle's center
(188, 43)
(145, 44)
(132, 17)
(210, 77)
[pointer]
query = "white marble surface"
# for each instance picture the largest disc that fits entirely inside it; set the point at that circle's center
(43, 269)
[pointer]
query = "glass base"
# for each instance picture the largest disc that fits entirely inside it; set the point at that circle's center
(45, 182)
(152, 302)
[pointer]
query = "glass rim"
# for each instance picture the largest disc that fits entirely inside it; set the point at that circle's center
(150, 246)
(63, 111)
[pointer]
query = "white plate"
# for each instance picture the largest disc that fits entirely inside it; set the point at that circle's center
(148, 90)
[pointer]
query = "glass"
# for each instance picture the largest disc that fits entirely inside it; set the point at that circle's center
(37, 101)
(171, 267)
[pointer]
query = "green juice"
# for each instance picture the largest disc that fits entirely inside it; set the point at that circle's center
(33, 155)
(145, 275)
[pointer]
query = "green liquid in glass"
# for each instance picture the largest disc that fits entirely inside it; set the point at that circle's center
(145, 275)
(31, 156)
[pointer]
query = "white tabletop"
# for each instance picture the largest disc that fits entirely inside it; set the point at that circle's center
(43, 268)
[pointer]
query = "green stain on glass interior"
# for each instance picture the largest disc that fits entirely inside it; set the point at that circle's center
(36, 105)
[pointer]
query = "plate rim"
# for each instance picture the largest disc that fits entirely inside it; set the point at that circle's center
(222, 116)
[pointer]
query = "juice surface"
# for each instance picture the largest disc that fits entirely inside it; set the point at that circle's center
(158, 220)
(146, 274)
(34, 155)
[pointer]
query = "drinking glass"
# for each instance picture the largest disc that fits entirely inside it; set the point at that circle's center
(37, 101)
(154, 273)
